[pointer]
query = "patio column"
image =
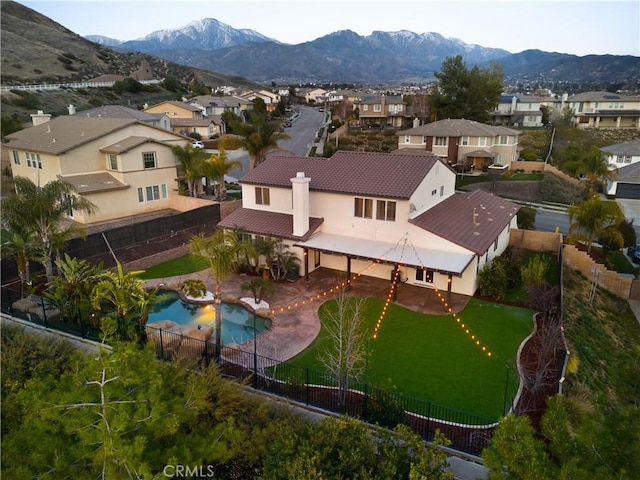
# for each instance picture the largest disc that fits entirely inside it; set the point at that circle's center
(348, 287)
(618, 122)
(305, 254)
(449, 282)
(598, 121)
(394, 282)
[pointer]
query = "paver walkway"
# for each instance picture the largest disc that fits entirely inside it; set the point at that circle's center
(296, 323)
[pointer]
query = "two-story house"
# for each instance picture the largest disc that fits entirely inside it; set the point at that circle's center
(313, 95)
(517, 110)
(187, 119)
(271, 100)
(372, 213)
(381, 110)
(603, 110)
(625, 184)
(160, 120)
(464, 143)
(124, 166)
(212, 105)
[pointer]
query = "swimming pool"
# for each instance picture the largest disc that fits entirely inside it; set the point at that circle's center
(237, 321)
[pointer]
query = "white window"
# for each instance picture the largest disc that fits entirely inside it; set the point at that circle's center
(152, 192)
(407, 139)
(434, 191)
(365, 108)
(16, 157)
(441, 141)
(113, 162)
(424, 275)
(503, 139)
(465, 141)
(33, 160)
(424, 140)
(262, 196)
(363, 207)
(500, 159)
(386, 210)
(149, 159)
(495, 245)
(620, 159)
(377, 107)
(482, 141)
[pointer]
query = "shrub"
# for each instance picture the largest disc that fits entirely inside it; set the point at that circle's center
(493, 280)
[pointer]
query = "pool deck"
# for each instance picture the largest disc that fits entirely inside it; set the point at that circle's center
(296, 324)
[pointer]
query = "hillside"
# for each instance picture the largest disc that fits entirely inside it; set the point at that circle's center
(36, 50)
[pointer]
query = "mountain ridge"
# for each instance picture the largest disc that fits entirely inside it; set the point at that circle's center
(346, 56)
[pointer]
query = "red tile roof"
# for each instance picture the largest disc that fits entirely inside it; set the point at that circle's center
(266, 223)
(386, 175)
(453, 219)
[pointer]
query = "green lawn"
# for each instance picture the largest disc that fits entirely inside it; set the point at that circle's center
(178, 266)
(431, 358)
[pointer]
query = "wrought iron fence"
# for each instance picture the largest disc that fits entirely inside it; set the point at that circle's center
(467, 432)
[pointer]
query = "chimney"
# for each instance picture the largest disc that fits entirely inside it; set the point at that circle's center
(475, 217)
(72, 109)
(40, 118)
(514, 101)
(300, 193)
(416, 122)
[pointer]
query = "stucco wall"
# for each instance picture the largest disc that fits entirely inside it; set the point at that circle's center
(536, 241)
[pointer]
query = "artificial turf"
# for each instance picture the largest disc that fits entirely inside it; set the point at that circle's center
(178, 266)
(431, 357)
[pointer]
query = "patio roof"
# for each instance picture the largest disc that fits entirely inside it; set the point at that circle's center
(399, 252)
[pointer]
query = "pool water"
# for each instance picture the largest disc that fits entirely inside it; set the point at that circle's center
(237, 321)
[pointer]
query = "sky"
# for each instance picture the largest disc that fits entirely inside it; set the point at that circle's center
(579, 27)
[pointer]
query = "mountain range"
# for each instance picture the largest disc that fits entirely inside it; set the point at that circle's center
(346, 57)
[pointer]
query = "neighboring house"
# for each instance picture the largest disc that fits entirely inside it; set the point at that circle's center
(160, 120)
(124, 166)
(604, 110)
(622, 154)
(212, 105)
(210, 126)
(337, 96)
(381, 110)
(625, 186)
(175, 109)
(517, 110)
(370, 213)
(464, 143)
(270, 99)
(313, 95)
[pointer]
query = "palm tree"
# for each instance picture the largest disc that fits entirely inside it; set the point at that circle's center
(597, 168)
(221, 252)
(122, 295)
(191, 161)
(20, 246)
(71, 290)
(589, 219)
(217, 167)
(40, 210)
(257, 135)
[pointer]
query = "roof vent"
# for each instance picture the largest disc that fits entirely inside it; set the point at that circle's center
(475, 217)
(48, 128)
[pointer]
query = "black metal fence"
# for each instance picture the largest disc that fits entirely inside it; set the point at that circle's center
(467, 432)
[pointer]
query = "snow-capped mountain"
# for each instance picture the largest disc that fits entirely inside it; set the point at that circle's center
(206, 34)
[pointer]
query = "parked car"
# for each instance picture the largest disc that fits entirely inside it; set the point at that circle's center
(634, 253)
(197, 144)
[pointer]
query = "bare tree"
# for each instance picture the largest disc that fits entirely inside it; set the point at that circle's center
(344, 356)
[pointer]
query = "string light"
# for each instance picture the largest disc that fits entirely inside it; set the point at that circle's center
(394, 284)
